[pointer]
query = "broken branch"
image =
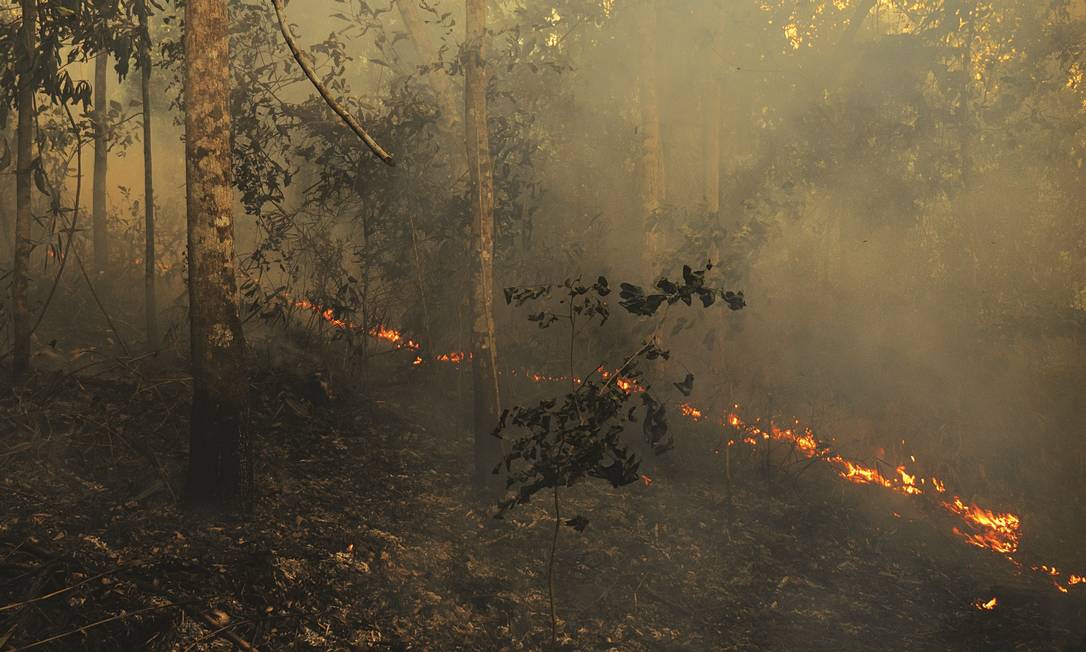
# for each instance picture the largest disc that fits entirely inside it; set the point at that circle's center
(342, 112)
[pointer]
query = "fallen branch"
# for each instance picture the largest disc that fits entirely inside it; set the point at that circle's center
(15, 605)
(218, 629)
(84, 628)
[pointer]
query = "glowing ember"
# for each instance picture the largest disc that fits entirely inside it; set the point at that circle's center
(939, 486)
(986, 606)
(691, 412)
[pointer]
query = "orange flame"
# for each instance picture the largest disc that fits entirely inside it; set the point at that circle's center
(998, 532)
(986, 606)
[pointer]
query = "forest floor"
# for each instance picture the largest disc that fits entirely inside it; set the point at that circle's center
(365, 534)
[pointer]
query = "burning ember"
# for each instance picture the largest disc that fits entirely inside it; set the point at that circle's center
(986, 605)
(691, 412)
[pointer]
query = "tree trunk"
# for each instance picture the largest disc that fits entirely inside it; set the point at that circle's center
(965, 14)
(100, 231)
(652, 172)
(217, 344)
(20, 313)
(487, 402)
(712, 115)
(150, 303)
(416, 26)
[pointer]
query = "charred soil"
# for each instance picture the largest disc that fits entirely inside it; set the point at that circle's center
(364, 533)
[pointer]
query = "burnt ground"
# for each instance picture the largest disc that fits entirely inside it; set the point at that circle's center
(365, 534)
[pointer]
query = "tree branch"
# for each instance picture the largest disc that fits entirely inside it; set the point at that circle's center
(342, 112)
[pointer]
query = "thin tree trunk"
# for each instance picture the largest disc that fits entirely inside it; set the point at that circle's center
(966, 13)
(364, 219)
(746, 182)
(150, 303)
(652, 175)
(20, 314)
(217, 344)
(712, 115)
(487, 403)
(420, 279)
(416, 26)
(100, 231)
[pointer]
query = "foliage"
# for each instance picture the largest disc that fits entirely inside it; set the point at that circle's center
(68, 31)
(579, 435)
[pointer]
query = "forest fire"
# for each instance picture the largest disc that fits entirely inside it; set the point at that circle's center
(979, 527)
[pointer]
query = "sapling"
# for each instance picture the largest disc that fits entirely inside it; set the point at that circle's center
(578, 435)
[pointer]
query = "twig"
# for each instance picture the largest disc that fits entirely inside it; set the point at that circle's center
(98, 302)
(103, 621)
(626, 364)
(222, 631)
(353, 123)
(15, 605)
(66, 251)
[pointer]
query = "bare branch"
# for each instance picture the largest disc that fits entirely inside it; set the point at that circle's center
(342, 112)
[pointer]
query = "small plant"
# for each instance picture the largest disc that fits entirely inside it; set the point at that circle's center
(578, 435)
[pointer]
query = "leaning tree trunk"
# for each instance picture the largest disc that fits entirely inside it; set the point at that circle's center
(428, 55)
(20, 313)
(487, 402)
(99, 230)
(652, 172)
(150, 303)
(218, 348)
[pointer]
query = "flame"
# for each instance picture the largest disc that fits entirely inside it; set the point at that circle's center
(986, 606)
(998, 532)
(393, 337)
(983, 528)
(908, 481)
(859, 474)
